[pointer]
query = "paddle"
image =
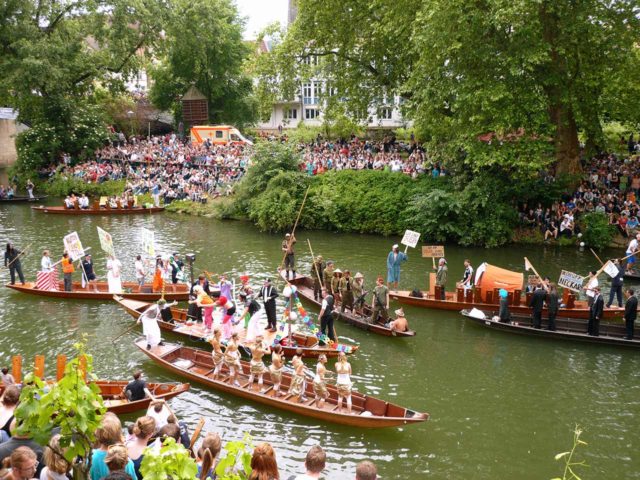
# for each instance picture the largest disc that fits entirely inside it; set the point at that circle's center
(125, 332)
(196, 433)
(293, 231)
(335, 335)
(23, 252)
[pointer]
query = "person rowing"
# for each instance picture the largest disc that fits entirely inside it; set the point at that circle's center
(400, 324)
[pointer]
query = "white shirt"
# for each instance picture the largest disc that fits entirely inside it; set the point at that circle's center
(46, 264)
(633, 246)
(140, 272)
(593, 283)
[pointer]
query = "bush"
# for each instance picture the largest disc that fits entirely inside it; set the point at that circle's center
(596, 231)
(62, 186)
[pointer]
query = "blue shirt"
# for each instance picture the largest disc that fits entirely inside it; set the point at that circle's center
(99, 469)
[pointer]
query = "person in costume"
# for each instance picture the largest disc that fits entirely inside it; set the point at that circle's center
(216, 354)
(206, 303)
(232, 360)
(114, 269)
(297, 386)
(257, 367)
(253, 314)
(394, 259)
(319, 382)
(229, 310)
(149, 320)
(275, 369)
(158, 281)
(343, 383)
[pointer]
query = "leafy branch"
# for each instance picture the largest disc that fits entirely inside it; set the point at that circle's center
(568, 457)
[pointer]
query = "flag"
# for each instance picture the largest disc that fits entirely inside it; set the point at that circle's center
(527, 264)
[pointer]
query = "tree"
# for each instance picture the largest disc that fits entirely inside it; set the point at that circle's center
(490, 83)
(204, 46)
(71, 405)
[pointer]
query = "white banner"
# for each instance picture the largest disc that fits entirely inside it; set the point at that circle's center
(611, 269)
(148, 242)
(73, 246)
(106, 242)
(410, 238)
(570, 280)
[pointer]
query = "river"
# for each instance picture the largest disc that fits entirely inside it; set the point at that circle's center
(501, 405)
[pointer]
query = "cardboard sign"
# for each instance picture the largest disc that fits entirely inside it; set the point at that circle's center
(106, 242)
(433, 251)
(410, 238)
(571, 281)
(611, 269)
(73, 246)
(148, 242)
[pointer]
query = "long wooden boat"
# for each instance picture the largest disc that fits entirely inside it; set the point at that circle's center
(22, 199)
(304, 285)
(456, 301)
(566, 329)
(197, 365)
(97, 211)
(632, 274)
(184, 327)
(100, 291)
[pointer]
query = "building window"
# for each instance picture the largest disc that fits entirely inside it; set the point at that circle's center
(385, 113)
(311, 113)
(306, 94)
(291, 114)
(310, 60)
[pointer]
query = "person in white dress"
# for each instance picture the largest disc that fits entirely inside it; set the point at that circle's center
(149, 320)
(46, 264)
(114, 268)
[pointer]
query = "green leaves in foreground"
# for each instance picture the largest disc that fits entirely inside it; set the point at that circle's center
(172, 460)
(236, 464)
(568, 458)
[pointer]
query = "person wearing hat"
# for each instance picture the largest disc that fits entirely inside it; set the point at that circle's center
(289, 258)
(229, 310)
(394, 259)
(441, 277)
(88, 272)
(380, 302)
(346, 292)
(595, 314)
(327, 276)
(317, 273)
(358, 293)
(268, 293)
(503, 313)
(400, 324)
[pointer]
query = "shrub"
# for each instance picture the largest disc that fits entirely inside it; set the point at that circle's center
(61, 186)
(597, 232)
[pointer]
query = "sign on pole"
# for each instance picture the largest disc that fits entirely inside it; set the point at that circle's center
(73, 246)
(433, 251)
(410, 239)
(148, 241)
(611, 269)
(106, 242)
(571, 281)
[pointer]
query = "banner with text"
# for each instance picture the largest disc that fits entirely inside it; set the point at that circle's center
(611, 269)
(73, 246)
(410, 238)
(433, 251)
(106, 242)
(570, 280)
(148, 242)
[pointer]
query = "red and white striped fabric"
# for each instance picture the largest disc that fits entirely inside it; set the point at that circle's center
(47, 280)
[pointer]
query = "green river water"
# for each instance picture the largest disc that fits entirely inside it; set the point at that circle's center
(501, 405)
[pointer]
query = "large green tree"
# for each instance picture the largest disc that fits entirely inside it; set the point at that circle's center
(505, 83)
(203, 46)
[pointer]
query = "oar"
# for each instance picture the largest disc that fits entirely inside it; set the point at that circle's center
(196, 433)
(595, 255)
(125, 332)
(293, 232)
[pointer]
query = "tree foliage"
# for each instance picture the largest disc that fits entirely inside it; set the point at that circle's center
(204, 47)
(171, 460)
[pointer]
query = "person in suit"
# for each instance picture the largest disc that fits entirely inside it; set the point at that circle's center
(616, 285)
(595, 313)
(269, 293)
(630, 312)
(537, 304)
(552, 306)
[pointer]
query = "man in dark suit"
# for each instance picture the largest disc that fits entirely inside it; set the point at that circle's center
(269, 293)
(595, 313)
(630, 312)
(616, 285)
(537, 304)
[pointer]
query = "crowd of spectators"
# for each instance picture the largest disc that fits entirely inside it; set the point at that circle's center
(118, 452)
(610, 185)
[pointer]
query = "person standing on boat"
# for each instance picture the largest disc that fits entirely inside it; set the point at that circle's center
(326, 316)
(630, 312)
(358, 293)
(158, 280)
(632, 249)
(229, 310)
(467, 279)
(297, 386)
(343, 382)
(537, 304)
(504, 315)
(225, 287)
(552, 306)
(256, 366)
(216, 353)
(149, 320)
(12, 261)
(46, 265)
(317, 273)
(269, 293)
(394, 259)
(275, 369)
(67, 271)
(232, 360)
(205, 302)
(616, 285)
(335, 284)
(595, 314)
(380, 302)
(255, 313)
(88, 273)
(590, 287)
(289, 254)
(319, 382)
(30, 187)
(441, 277)
(114, 269)
(141, 272)
(346, 292)
(327, 277)
(177, 266)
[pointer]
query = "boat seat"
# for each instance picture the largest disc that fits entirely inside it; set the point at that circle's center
(182, 363)
(268, 390)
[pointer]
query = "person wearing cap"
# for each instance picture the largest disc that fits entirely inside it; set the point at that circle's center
(380, 302)
(268, 293)
(595, 314)
(441, 277)
(358, 293)
(149, 319)
(394, 259)
(289, 257)
(317, 273)
(346, 292)
(400, 324)
(503, 313)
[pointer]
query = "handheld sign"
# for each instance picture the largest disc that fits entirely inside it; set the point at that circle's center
(148, 240)
(433, 251)
(610, 269)
(571, 281)
(73, 246)
(106, 242)
(410, 239)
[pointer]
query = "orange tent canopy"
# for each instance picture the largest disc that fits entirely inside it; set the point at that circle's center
(489, 277)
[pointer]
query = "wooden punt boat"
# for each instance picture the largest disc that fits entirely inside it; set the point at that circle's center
(97, 211)
(309, 344)
(197, 365)
(22, 199)
(304, 285)
(179, 291)
(457, 301)
(566, 329)
(632, 274)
